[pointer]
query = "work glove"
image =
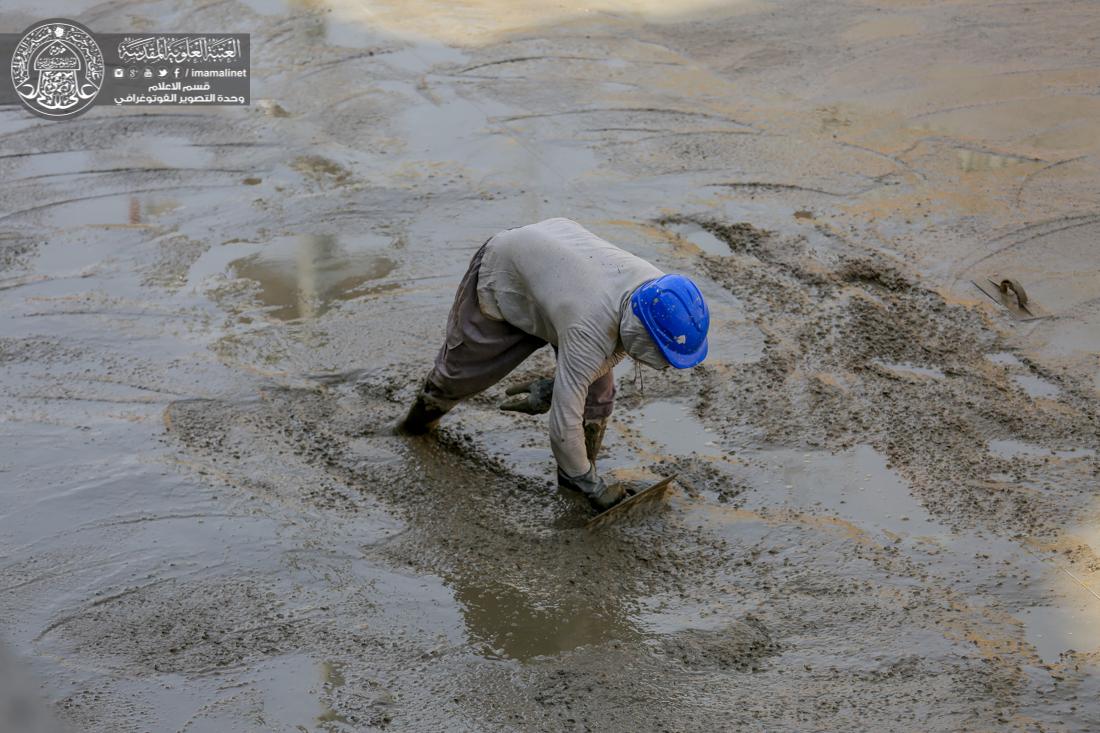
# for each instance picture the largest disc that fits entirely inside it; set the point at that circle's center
(600, 495)
(532, 398)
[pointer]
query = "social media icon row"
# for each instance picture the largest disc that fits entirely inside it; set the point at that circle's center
(146, 74)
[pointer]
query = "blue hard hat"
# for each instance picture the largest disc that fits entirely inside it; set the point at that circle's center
(674, 313)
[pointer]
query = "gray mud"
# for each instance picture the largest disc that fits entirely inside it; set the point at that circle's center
(886, 515)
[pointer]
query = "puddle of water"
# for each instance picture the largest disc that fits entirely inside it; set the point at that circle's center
(1004, 358)
(1071, 625)
(289, 687)
(855, 485)
(44, 164)
(489, 144)
(141, 150)
(126, 208)
(302, 277)
(701, 238)
(508, 623)
(905, 368)
(332, 676)
(105, 211)
(971, 161)
(1034, 386)
(1011, 448)
(732, 340)
(674, 426)
(859, 487)
(1087, 533)
(22, 707)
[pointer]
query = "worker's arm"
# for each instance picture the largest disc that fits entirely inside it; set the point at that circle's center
(582, 360)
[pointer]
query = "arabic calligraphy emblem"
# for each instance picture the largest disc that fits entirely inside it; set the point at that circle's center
(57, 68)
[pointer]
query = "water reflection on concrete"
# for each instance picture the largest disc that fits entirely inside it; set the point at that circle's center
(700, 237)
(1071, 624)
(520, 597)
(674, 426)
(976, 161)
(510, 623)
(1035, 386)
(459, 125)
(22, 709)
(857, 485)
(302, 277)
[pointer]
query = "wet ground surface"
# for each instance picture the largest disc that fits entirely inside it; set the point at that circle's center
(887, 516)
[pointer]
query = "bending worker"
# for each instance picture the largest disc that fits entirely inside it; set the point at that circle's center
(556, 282)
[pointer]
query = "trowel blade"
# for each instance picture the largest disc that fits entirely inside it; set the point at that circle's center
(1030, 313)
(648, 495)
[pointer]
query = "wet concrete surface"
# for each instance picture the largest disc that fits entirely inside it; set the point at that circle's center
(886, 518)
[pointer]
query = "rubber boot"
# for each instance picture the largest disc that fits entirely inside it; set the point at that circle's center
(593, 437)
(609, 497)
(423, 416)
(600, 495)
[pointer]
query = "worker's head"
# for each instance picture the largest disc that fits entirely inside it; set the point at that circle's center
(675, 320)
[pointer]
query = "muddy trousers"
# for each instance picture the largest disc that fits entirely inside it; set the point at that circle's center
(478, 352)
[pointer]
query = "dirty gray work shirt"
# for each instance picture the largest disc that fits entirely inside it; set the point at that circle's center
(560, 282)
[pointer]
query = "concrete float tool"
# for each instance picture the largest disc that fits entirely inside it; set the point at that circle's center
(647, 496)
(1010, 295)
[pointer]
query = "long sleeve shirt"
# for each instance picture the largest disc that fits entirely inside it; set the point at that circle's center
(560, 282)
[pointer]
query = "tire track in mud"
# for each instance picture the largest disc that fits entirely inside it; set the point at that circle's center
(1031, 232)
